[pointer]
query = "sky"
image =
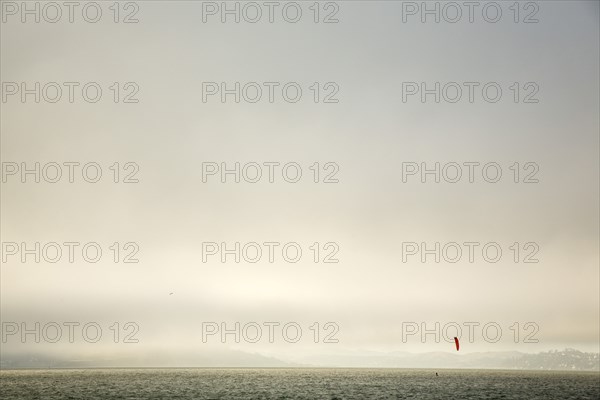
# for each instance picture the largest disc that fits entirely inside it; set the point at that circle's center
(367, 114)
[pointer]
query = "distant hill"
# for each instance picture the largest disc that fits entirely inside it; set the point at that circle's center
(161, 359)
(565, 360)
(568, 359)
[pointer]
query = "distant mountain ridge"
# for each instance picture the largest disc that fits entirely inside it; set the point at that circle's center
(564, 360)
(159, 359)
(554, 360)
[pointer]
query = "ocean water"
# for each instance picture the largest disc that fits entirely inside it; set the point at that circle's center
(296, 384)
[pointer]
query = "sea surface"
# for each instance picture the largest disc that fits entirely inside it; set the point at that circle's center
(198, 383)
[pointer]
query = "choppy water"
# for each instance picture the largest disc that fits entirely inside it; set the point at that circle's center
(296, 384)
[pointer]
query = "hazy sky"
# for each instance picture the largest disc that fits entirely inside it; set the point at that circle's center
(368, 56)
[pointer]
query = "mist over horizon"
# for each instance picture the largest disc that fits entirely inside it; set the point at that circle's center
(354, 184)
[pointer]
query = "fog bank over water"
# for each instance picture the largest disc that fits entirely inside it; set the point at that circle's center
(396, 218)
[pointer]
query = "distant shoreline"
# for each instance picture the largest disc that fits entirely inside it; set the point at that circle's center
(303, 368)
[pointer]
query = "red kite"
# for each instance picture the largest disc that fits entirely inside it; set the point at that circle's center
(456, 343)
